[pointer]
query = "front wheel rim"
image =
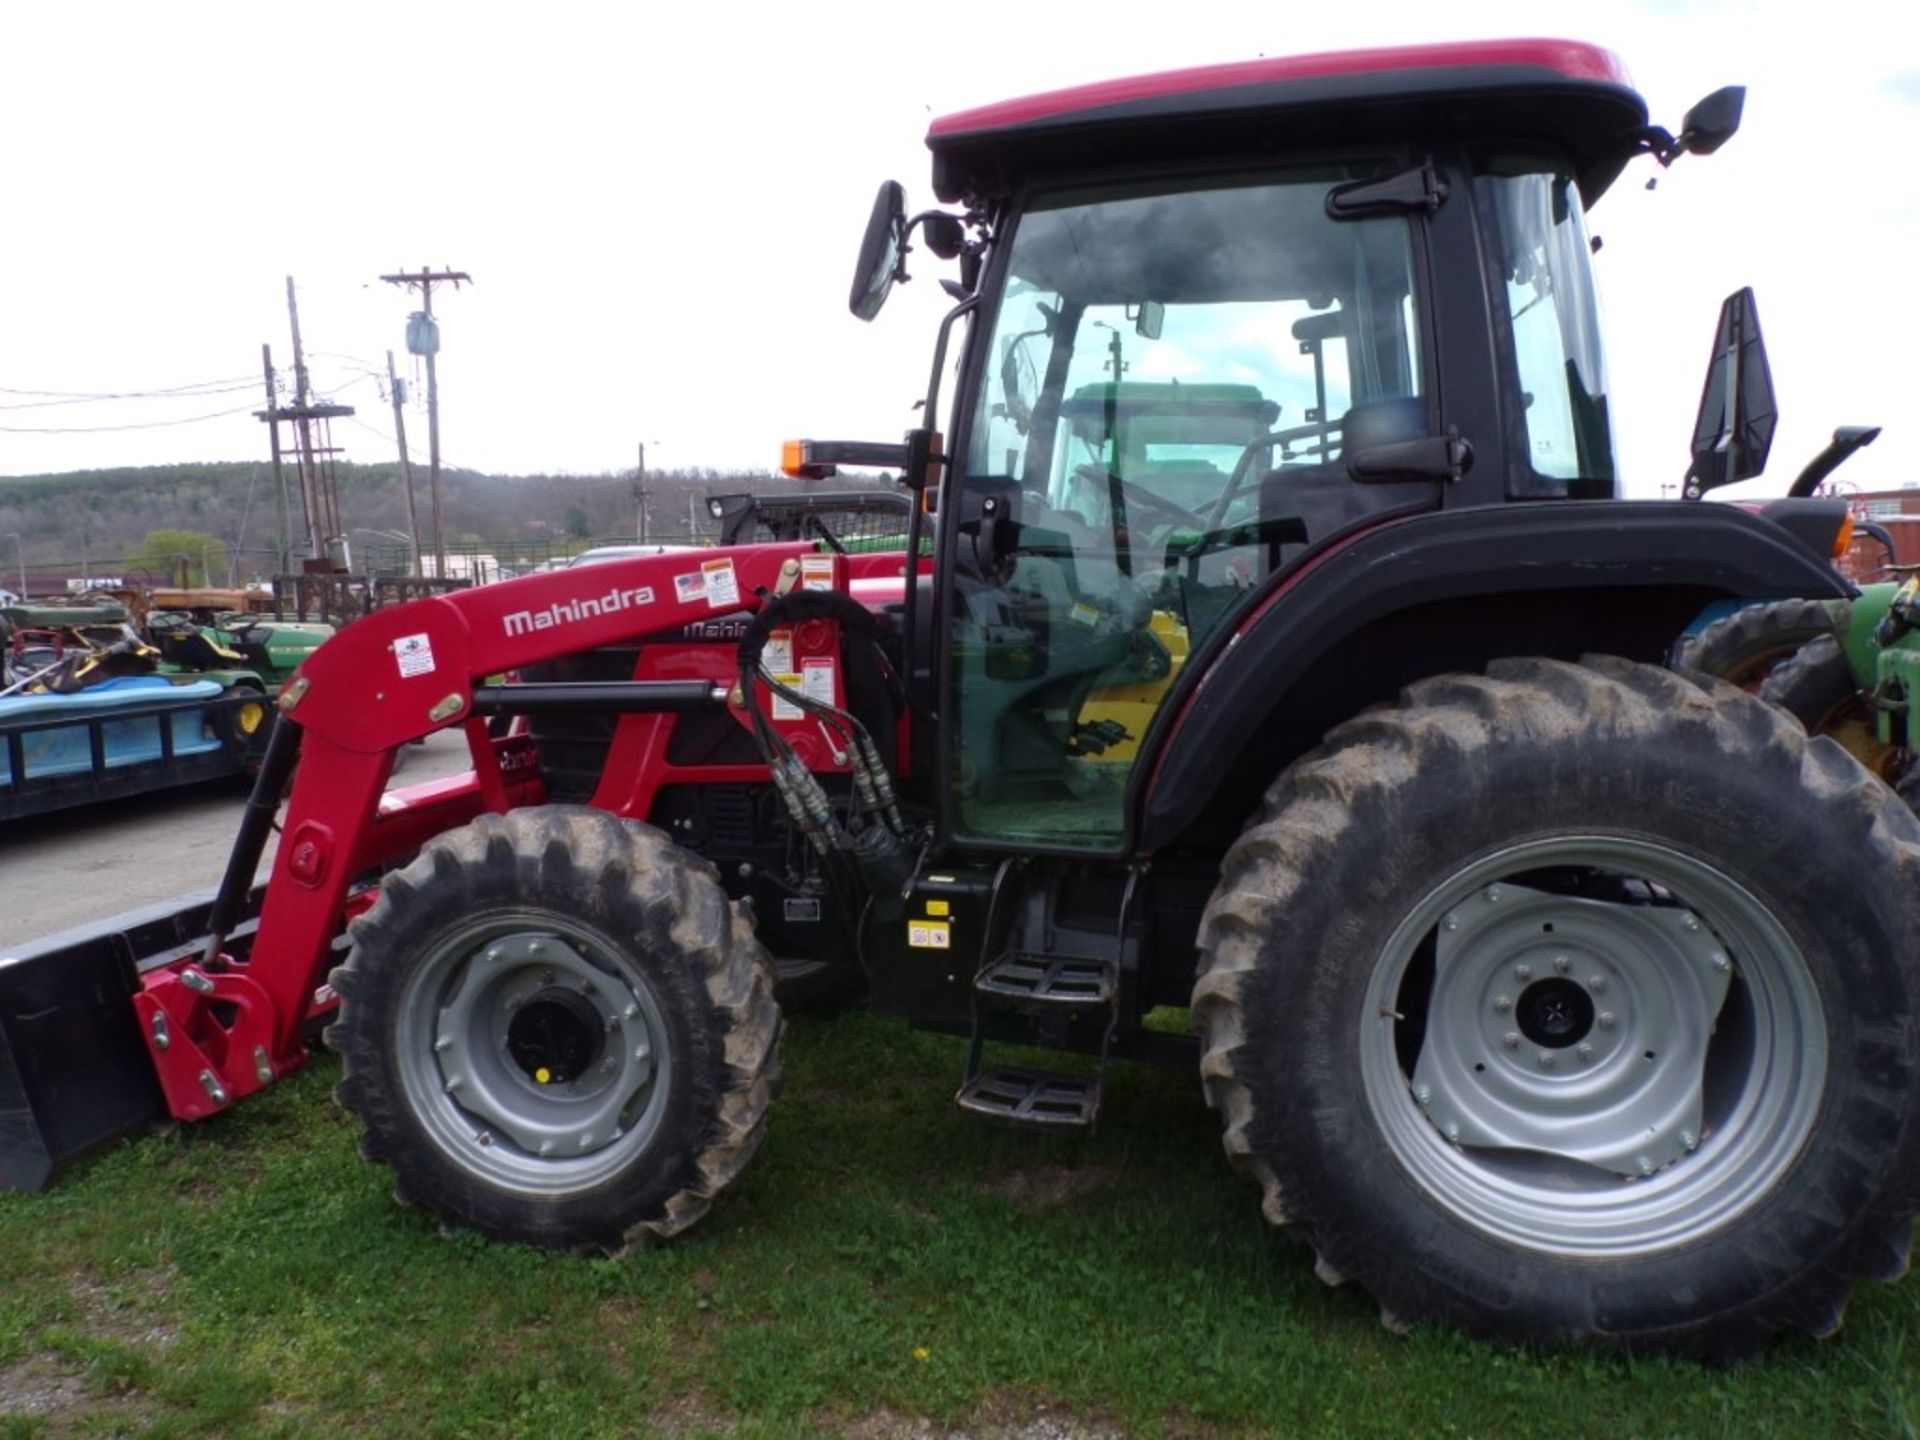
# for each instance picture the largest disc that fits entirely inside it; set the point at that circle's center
(534, 1052)
(1597, 1046)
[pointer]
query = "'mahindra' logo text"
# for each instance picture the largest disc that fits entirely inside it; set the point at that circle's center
(567, 612)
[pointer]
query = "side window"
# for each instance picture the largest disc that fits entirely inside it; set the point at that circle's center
(1554, 322)
(1160, 423)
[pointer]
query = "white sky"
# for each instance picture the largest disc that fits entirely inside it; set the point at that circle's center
(660, 206)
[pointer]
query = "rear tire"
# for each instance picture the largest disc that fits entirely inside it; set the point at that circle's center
(1576, 1005)
(556, 1030)
(1744, 647)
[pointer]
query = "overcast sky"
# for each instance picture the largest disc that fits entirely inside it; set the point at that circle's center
(659, 207)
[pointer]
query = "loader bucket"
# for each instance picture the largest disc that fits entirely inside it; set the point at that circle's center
(75, 1072)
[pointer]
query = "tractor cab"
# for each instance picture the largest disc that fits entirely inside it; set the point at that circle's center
(1202, 349)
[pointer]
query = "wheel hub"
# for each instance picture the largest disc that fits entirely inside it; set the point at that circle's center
(1572, 1027)
(543, 1044)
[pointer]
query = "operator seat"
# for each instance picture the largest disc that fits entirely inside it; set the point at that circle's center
(1325, 498)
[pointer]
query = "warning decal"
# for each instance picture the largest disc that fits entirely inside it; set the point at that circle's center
(816, 678)
(415, 654)
(723, 588)
(929, 935)
(816, 572)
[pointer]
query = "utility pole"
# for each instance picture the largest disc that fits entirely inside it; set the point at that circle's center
(424, 280)
(396, 387)
(303, 437)
(284, 563)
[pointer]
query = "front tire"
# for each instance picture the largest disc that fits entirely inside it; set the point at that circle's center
(1576, 1005)
(556, 1030)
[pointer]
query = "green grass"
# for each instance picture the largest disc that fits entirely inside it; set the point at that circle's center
(885, 1261)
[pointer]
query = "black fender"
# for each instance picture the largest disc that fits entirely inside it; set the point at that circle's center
(1433, 593)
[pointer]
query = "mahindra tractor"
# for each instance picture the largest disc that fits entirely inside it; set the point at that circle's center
(1269, 684)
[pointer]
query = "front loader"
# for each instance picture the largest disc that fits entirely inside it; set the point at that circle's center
(1268, 643)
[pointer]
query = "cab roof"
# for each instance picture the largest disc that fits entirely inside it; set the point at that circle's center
(1562, 92)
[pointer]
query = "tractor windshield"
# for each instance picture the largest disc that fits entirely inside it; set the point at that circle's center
(1159, 424)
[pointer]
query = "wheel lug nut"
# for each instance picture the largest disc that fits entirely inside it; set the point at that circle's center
(1423, 1094)
(1546, 1059)
(535, 947)
(1452, 922)
(1453, 1132)
(629, 1012)
(1720, 962)
(1562, 964)
(1596, 983)
(546, 977)
(1585, 1052)
(1492, 892)
(1502, 1004)
(1523, 973)
(1688, 1139)
(1511, 1039)
(1690, 922)
(1605, 1021)
(1646, 1165)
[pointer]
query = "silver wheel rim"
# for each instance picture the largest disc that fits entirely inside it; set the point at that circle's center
(534, 1052)
(1602, 1074)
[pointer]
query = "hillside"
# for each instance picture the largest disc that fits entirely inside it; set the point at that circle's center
(87, 521)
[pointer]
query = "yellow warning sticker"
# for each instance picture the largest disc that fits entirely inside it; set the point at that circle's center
(929, 935)
(937, 907)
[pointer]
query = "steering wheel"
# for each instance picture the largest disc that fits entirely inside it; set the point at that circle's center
(1237, 481)
(1135, 493)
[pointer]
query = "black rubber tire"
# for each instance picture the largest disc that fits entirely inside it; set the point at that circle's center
(1745, 646)
(708, 975)
(1355, 838)
(1818, 688)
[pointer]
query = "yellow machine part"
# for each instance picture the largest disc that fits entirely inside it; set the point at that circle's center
(1132, 707)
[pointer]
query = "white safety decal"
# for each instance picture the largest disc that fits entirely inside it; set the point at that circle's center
(415, 654)
(723, 588)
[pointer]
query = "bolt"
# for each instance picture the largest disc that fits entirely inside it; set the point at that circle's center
(1523, 973)
(608, 1064)
(1452, 922)
(613, 1022)
(546, 976)
(493, 955)
(586, 1140)
(1720, 962)
(630, 1012)
(535, 947)
(1511, 1039)
(1605, 1021)
(1562, 964)
(1453, 1131)
(445, 1042)
(1502, 1004)
(1546, 1059)
(1423, 1093)
(643, 1053)
(1585, 1052)
(546, 1147)
(1492, 892)
(1690, 922)
(1596, 983)
(746, 869)
(1646, 1165)
(1688, 1139)
(454, 1082)
(483, 1138)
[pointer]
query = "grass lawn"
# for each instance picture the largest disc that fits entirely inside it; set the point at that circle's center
(887, 1267)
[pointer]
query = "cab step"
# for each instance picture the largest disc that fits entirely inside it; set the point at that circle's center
(1032, 1099)
(1046, 981)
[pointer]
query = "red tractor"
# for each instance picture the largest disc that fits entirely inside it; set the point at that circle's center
(1269, 641)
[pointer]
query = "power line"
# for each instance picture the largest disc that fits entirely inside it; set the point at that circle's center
(101, 429)
(73, 397)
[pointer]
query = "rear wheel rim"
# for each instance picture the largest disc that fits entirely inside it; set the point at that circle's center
(534, 1052)
(1511, 1087)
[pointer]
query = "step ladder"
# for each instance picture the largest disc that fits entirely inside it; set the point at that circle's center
(1058, 985)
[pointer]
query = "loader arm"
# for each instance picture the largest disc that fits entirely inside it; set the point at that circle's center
(219, 1021)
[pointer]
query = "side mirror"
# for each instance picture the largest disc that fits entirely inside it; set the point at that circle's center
(1712, 122)
(1149, 319)
(882, 249)
(944, 234)
(1738, 413)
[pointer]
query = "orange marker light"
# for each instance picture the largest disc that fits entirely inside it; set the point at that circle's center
(1843, 538)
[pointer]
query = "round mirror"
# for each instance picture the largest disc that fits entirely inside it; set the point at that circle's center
(880, 251)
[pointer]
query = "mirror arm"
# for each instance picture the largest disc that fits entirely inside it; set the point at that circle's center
(1846, 440)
